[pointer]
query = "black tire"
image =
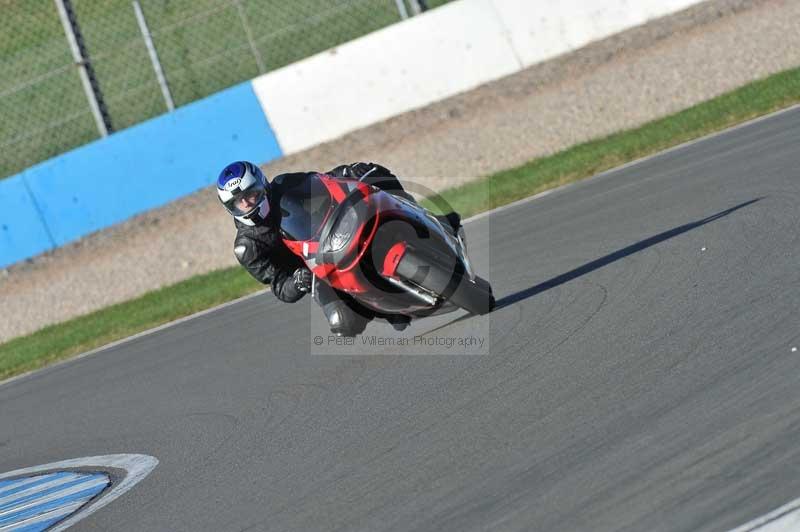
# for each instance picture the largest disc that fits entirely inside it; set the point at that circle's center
(474, 296)
(447, 279)
(488, 288)
(484, 284)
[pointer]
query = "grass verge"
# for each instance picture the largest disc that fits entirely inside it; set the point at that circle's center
(584, 160)
(63, 340)
(81, 334)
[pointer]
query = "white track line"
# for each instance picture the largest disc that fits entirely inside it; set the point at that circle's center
(783, 519)
(39, 487)
(22, 482)
(52, 514)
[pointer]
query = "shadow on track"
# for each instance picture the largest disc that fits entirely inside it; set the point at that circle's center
(448, 324)
(613, 257)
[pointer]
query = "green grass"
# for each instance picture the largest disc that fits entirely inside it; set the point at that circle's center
(756, 99)
(202, 45)
(33, 47)
(63, 340)
(78, 335)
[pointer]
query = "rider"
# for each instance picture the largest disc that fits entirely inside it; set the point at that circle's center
(252, 200)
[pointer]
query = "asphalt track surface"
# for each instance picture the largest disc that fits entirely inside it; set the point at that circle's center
(640, 376)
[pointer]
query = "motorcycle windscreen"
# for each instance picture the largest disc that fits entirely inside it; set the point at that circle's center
(304, 206)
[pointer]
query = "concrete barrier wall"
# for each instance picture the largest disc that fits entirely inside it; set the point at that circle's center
(424, 59)
(543, 29)
(140, 168)
(451, 49)
(439, 54)
(22, 230)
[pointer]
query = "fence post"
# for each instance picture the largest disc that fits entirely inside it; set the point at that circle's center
(249, 34)
(81, 57)
(401, 7)
(151, 50)
(416, 8)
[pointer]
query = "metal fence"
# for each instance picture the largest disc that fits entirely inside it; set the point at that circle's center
(202, 46)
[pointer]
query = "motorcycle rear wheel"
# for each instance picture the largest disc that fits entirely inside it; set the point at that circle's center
(428, 272)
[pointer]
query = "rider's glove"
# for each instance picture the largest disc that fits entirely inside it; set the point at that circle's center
(359, 170)
(302, 279)
(367, 171)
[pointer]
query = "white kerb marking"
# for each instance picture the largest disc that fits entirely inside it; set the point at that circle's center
(136, 467)
(57, 495)
(783, 519)
(20, 483)
(38, 488)
(52, 514)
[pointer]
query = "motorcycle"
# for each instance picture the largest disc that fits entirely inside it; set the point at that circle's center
(386, 252)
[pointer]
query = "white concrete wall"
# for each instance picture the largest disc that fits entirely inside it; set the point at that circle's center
(430, 57)
(543, 29)
(407, 65)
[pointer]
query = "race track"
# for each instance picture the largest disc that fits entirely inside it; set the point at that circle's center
(639, 376)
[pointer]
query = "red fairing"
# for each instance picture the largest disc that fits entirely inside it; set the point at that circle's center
(347, 275)
(311, 246)
(295, 247)
(336, 188)
(340, 188)
(337, 191)
(392, 259)
(348, 281)
(302, 248)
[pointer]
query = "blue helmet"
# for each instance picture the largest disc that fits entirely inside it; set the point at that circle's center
(244, 192)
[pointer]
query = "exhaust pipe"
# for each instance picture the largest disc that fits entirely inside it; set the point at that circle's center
(413, 290)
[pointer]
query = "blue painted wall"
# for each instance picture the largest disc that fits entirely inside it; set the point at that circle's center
(22, 231)
(140, 168)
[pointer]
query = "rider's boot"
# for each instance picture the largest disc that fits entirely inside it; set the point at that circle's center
(341, 312)
(343, 320)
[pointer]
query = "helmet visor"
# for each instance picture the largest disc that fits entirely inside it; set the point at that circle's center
(245, 202)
